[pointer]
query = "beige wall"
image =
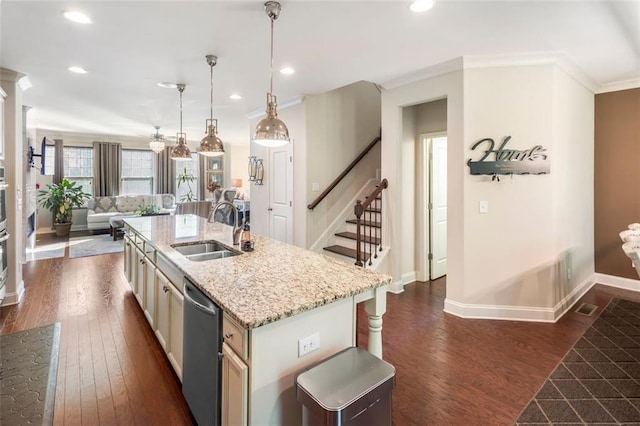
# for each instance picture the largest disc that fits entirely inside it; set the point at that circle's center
(340, 124)
(328, 131)
(617, 171)
(529, 250)
(397, 156)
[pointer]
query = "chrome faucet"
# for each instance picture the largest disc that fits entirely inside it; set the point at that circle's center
(237, 229)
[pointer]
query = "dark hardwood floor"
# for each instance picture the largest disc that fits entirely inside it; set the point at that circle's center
(449, 371)
(111, 369)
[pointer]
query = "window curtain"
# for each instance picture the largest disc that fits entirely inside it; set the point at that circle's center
(165, 172)
(58, 164)
(202, 177)
(107, 161)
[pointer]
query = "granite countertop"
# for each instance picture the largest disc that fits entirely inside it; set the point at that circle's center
(274, 281)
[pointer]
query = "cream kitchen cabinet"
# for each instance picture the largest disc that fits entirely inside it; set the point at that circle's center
(138, 282)
(235, 374)
(156, 285)
(170, 308)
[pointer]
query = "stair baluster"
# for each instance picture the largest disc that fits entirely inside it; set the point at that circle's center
(359, 209)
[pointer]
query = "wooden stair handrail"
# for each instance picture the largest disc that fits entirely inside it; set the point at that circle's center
(337, 180)
(359, 210)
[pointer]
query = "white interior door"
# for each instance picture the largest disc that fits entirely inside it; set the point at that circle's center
(281, 194)
(438, 217)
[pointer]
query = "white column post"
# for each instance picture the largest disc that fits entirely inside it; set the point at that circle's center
(375, 308)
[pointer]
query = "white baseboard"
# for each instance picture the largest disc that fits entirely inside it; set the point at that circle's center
(408, 277)
(14, 298)
(519, 313)
(617, 282)
(396, 287)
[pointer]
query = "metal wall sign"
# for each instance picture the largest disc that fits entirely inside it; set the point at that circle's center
(508, 161)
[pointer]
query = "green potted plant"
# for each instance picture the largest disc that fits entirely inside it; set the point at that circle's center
(61, 199)
(186, 177)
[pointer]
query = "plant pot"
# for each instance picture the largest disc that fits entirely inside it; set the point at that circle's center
(63, 229)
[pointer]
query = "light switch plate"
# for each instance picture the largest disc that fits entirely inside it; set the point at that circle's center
(484, 207)
(315, 187)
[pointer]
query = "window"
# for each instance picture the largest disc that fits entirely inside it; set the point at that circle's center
(191, 168)
(78, 166)
(137, 172)
(50, 158)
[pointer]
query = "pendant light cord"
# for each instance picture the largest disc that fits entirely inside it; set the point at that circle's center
(180, 111)
(211, 93)
(271, 82)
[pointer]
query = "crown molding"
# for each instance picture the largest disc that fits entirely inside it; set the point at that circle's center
(425, 73)
(619, 85)
(558, 59)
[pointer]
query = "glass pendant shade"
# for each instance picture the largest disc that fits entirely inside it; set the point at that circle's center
(181, 151)
(157, 141)
(271, 131)
(156, 146)
(211, 145)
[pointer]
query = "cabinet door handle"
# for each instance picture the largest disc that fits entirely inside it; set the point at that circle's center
(228, 336)
(142, 262)
(165, 288)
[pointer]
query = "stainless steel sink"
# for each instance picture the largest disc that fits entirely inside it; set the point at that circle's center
(210, 250)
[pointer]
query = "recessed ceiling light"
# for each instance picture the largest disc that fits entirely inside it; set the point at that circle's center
(421, 5)
(78, 70)
(166, 85)
(287, 70)
(79, 17)
(235, 96)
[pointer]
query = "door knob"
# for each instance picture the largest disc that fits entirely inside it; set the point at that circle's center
(269, 209)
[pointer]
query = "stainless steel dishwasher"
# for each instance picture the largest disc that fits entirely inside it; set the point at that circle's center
(202, 355)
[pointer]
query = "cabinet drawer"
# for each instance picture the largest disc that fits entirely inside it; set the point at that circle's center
(235, 336)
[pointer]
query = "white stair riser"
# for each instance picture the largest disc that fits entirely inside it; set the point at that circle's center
(351, 227)
(349, 243)
(345, 259)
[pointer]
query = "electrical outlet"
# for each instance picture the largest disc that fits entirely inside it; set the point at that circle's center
(484, 207)
(308, 344)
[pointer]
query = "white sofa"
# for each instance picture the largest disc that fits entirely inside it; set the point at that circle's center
(101, 209)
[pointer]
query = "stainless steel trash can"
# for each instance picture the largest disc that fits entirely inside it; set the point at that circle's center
(353, 387)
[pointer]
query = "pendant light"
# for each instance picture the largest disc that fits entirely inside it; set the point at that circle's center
(271, 131)
(181, 151)
(157, 141)
(211, 145)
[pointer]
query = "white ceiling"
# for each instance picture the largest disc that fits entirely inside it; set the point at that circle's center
(133, 45)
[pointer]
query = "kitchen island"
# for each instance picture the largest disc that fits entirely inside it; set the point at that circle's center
(272, 298)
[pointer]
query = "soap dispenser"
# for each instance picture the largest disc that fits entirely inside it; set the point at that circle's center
(245, 239)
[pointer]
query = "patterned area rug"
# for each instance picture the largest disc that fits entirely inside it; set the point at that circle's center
(93, 245)
(28, 375)
(598, 381)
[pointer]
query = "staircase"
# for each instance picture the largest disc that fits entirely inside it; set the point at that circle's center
(346, 241)
(364, 232)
